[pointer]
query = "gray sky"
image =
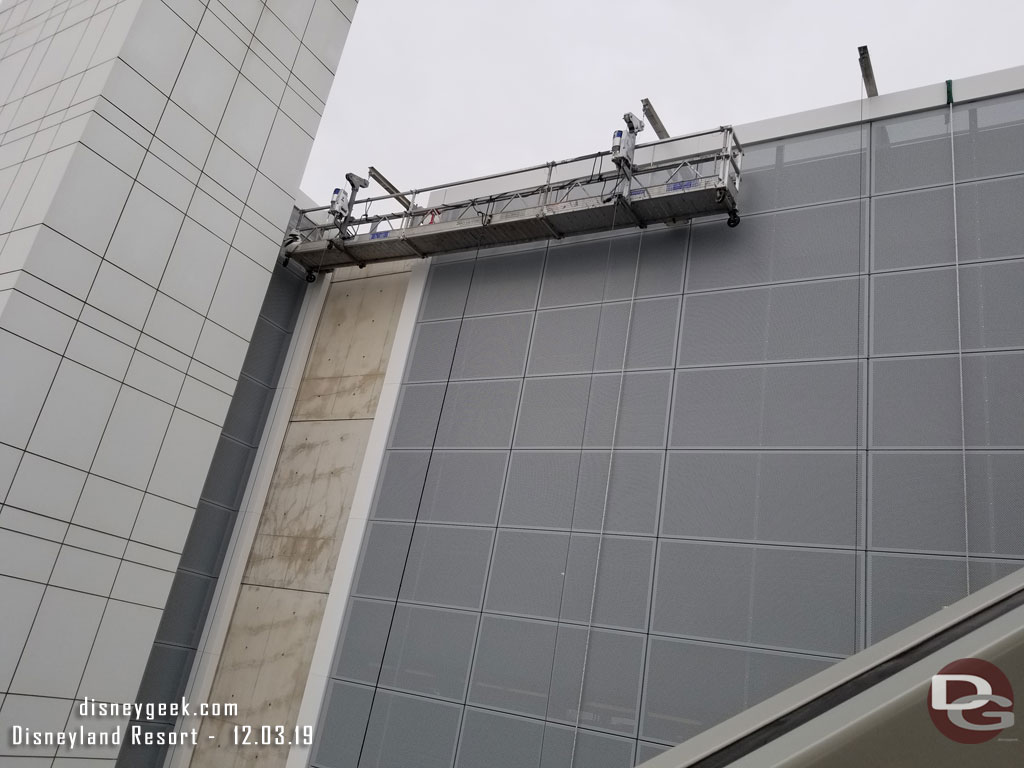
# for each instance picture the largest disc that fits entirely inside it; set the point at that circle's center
(433, 91)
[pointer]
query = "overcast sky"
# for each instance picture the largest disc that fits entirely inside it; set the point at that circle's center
(432, 91)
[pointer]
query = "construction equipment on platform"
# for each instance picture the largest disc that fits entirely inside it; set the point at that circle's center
(668, 181)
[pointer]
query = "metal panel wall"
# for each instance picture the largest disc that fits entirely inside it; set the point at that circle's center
(786, 481)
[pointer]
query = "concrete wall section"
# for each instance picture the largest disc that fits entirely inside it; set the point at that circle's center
(270, 642)
(150, 151)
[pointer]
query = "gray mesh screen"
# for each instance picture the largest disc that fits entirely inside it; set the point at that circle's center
(652, 335)
(428, 651)
(433, 346)
(786, 322)
(512, 666)
(905, 588)
(553, 412)
(401, 485)
(446, 566)
(505, 283)
(797, 498)
(767, 596)
(800, 244)
(992, 141)
(492, 347)
(593, 749)
(622, 595)
(499, 741)
(415, 422)
(641, 400)
(692, 686)
(363, 639)
(446, 290)
(565, 340)
(541, 489)
(632, 495)
(779, 406)
(478, 414)
(910, 152)
(611, 687)
(463, 487)
(527, 572)
(785, 484)
(410, 730)
(575, 274)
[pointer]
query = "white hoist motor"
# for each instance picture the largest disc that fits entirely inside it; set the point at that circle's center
(624, 142)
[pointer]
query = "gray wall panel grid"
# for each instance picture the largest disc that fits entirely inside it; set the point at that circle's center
(786, 478)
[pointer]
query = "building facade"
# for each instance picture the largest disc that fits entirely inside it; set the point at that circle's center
(559, 504)
(150, 155)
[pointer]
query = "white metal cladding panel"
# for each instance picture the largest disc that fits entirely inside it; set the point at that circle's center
(785, 479)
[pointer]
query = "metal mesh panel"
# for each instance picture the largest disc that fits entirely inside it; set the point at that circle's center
(821, 241)
(400, 485)
(409, 730)
(492, 347)
(662, 260)
(988, 219)
(553, 412)
(446, 290)
(512, 666)
(913, 229)
(363, 637)
(623, 581)
(914, 312)
(380, 567)
(915, 402)
(343, 721)
(785, 322)
(527, 573)
(917, 502)
(992, 310)
(416, 415)
(913, 151)
(799, 498)
(767, 596)
(433, 347)
(818, 168)
(446, 566)
(505, 283)
(652, 335)
(428, 651)
(798, 405)
(540, 489)
(463, 487)
(575, 274)
(611, 688)
(693, 686)
(905, 588)
(994, 141)
(564, 341)
(646, 750)
(478, 414)
(992, 386)
(593, 750)
(632, 495)
(499, 741)
(642, 410)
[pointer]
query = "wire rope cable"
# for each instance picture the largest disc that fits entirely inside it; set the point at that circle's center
(607, 489)
(960, 355)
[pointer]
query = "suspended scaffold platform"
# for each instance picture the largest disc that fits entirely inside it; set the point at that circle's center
(667, 181)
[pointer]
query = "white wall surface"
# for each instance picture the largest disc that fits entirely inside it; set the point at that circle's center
(150, 151)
